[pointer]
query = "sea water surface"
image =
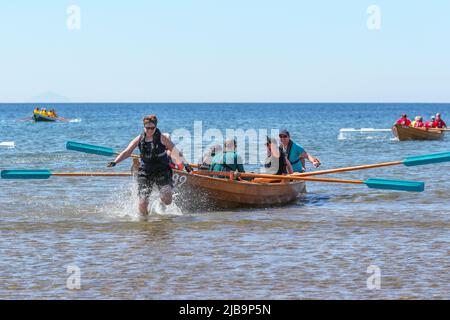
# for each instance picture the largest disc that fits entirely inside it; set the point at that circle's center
(329, 244)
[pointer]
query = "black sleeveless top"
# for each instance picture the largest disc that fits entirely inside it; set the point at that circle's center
(154, 156)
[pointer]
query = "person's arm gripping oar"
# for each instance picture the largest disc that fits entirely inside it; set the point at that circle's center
(410, 161)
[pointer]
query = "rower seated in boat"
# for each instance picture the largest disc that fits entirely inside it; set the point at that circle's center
(404, 121)
(296, 154)
(276, 160)
(205, 162)
(429, 124)
(418, 122)
(439, 123)
(228, 160)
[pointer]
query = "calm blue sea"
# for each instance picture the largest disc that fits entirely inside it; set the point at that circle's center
(319, 247)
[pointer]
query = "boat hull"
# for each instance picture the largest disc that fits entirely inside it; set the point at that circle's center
(41, 118)
(404, 133)
(205, 192)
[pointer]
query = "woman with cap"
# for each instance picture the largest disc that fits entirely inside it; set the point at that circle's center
(296, 154)
(276, 160)
(154, 164)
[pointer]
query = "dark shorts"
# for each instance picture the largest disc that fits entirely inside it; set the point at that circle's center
(146, 180)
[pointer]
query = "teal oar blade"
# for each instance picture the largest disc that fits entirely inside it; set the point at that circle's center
(401, 185)
(89, 148)
(25, 174)
(427, 159)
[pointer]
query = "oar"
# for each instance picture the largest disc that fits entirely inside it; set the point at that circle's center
(25, 119)
(45, 174)
(363, 130)
(92, 149)
(409, 162)
(99, 150)
(400, 185)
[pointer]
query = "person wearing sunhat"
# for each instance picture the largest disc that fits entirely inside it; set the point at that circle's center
(154, 165)
(295, 153)
(404, 121)
(418, 122)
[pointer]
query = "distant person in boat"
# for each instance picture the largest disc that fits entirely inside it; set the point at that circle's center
(429, 124)
(44, 112)
(52, 113)
(154, 165)
(296, 154)
(438, 122)
(404, 121)
(276, 161)
(36, 110)
(418, 122)
(205, 162)
(228, 160)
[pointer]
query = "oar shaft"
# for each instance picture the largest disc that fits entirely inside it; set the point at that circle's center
(369, 166)
(92, 174)
(277, 177)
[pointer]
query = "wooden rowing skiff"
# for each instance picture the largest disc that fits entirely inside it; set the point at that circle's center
(200, 191)
(404, 133)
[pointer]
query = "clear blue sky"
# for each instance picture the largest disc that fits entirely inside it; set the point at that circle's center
(225, 50)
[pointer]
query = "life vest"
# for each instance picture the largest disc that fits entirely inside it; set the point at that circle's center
(282, 164)
(418, 124)
(404, 122)
(226, 166)
(439, 124)
(154, 156)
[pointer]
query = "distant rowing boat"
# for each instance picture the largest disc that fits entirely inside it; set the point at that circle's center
(404, 133)
(211, 192)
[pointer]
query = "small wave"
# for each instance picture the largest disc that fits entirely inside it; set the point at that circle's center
(75, 120)
(7, 144)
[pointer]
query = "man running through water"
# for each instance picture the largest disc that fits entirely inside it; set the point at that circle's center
(154, 164)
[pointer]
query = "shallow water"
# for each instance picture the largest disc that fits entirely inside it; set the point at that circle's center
(318, 247)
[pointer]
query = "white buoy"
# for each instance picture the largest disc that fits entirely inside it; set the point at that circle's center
(7, 144)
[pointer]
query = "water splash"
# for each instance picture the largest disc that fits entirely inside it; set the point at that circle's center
(77, 120)
(124, 205)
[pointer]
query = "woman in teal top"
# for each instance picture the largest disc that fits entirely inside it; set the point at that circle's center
(296, 154)
(228, 160)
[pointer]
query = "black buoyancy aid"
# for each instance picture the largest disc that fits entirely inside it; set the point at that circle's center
(282, 164)
(154, 156)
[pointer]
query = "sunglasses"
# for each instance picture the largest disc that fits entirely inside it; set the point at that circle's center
(150, 128)
(283, 136)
